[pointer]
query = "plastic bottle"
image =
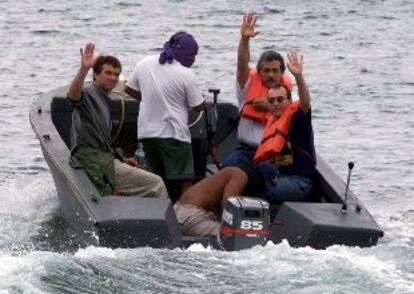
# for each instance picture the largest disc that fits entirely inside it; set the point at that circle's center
(140, 155)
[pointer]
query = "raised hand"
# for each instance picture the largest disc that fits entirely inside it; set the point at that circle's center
(87, 61)
(295, 63)
(295, 66)
(87, 56)
(247, 26)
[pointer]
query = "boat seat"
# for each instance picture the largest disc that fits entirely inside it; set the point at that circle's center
(173, 184)
(62, 117)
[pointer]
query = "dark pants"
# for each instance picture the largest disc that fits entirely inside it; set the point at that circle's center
(169, 157)
(241, 157)
(265, 180)
(276, 187)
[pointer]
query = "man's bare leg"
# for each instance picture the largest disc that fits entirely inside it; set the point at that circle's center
(185, 185)
(211, 192)
(236, 183)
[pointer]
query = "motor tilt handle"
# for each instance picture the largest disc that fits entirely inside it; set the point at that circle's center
(345, 205)
(212, 116)
(212, 122)
(215, 94)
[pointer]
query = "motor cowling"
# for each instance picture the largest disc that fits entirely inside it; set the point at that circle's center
(244, 223)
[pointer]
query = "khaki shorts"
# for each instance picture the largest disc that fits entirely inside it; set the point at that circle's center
(195, 221)
(132, 181)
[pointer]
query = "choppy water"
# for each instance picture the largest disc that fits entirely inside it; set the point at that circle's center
(360, 68)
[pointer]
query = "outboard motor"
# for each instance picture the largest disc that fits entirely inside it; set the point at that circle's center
(244, 223)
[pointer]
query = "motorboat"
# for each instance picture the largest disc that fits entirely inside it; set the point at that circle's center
(332, 214)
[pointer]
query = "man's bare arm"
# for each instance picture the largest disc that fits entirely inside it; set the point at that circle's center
(243, 57)
(200, 107)
(133, 93)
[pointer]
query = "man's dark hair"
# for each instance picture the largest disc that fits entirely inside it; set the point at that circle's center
(278, 86)
(105, 59)
(270, 56)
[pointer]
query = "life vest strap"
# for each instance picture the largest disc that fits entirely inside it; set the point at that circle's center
(273, 134)
(244, 105)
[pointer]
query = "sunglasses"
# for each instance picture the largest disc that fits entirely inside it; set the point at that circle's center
(278, 99)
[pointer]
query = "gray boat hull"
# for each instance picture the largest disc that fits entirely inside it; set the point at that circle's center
(137, 222)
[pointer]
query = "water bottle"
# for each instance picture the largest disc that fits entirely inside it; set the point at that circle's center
(140, 155)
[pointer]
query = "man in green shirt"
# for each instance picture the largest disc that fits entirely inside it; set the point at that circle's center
(91, 131)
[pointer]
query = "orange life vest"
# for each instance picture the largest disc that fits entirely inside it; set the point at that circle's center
(257, 91)
(275, 134)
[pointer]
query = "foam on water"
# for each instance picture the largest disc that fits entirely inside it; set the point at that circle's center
(270, 269)
(25, 203)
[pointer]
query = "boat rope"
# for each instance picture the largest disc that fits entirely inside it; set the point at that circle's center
(120, 97)
(200, 115)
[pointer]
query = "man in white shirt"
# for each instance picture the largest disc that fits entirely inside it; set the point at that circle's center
(167, 88)
(252, 88)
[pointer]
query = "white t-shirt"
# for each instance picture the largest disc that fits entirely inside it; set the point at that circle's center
(249, 132)
(168, 91)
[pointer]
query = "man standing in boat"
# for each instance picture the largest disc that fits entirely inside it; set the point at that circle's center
(284, 162)
(167, 88)
(252, 87)
(91, 131)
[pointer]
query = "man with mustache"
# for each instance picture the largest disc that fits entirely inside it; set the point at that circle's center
(283, 168)
(252, 87)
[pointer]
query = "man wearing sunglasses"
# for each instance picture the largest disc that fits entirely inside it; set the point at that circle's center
(285, 159)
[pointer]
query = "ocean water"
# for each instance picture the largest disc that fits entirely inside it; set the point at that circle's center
(359, 66)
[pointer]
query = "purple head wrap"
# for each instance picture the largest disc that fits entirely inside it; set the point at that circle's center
(181, 47)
